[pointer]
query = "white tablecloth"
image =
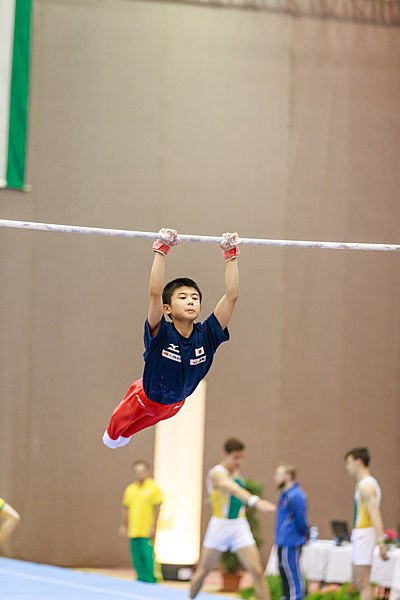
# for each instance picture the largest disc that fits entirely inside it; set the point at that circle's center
(324, 561)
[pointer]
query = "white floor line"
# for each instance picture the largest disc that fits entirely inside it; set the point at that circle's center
(77, 586)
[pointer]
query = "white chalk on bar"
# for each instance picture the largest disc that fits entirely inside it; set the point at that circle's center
(195, 238)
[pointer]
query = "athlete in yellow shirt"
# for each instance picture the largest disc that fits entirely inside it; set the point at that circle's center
(9, 518)
(140, 510)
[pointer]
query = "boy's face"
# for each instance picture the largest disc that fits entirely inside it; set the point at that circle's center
(185, 304)
(234, 460)
(352, 465)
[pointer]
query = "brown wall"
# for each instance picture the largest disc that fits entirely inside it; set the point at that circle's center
(145, 115)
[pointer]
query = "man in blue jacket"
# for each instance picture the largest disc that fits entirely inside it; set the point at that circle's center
(291, 530)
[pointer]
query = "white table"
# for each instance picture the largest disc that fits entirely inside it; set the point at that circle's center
(324, 561)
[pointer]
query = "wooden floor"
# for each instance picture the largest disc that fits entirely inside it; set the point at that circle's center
(212, 585)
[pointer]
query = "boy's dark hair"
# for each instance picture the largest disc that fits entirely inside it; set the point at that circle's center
(178, 283)
(360, 454)
(144, 463)
(233, 445)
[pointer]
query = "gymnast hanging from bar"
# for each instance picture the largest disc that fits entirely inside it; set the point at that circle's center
(178, 352)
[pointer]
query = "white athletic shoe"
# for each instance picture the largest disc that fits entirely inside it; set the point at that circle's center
(109, 442)
(119, 443)
(123, 441)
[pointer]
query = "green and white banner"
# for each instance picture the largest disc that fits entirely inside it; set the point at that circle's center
(15, 25)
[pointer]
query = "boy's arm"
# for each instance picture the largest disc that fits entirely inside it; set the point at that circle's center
(222, 482)
(225, 307)
(161, 247)
(156, 286)
(368, 494)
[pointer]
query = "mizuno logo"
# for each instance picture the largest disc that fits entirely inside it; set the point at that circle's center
(171, 356)
(173, 348)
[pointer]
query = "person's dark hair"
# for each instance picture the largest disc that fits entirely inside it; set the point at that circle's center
(175, 284)
(360, 454)
(233, 445)
(144, 463)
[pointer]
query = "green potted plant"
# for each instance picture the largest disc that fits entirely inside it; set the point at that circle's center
(231, 571)
(231, 566)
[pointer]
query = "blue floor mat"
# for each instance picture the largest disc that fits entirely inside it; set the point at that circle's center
(20, 580)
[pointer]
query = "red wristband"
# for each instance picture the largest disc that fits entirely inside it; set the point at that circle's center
(231, 253)
(161, 247)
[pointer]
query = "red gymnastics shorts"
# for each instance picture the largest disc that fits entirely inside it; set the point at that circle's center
(137, 412)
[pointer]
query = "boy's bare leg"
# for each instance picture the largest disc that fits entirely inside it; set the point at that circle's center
(361, 579)
(207, 560)
(251, 560)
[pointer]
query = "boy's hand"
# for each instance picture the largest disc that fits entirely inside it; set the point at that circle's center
(167, 239)
(229, 245)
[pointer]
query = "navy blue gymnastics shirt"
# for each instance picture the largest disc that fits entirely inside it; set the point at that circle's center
(175, 365)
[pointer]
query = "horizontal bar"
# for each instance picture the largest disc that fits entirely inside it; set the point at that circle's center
(195, 238)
